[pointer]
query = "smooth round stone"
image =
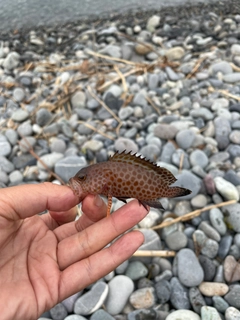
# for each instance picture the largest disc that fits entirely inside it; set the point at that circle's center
(235, 136)
(209, 231)
(125, 113)
(136, 270)
(78, 100)
(222, 66)
(5, 147)
(231, 77)
(232, 314)
(190, 272)
(210, 289)
(122, 267)
(217, 221)
(163, 291)
(11, 61)
(131, 133)
(175, 53)
(3, 177)
(176, 241)
(84, 114)
(182, 207)
(231, 269)
(6, 165)
(209, 313)
(25, 129)
(12, 136)
(58, 312)
(150, 151)
(120, 289)
(142, 314)
(202, 113)
(237, 239)
(210, 248)
(220, 304)
(153, 80)
(196, 299)
(183, 315)
(122, 144)
(92, 300)
(112, 51)
(115, 90)
(177, 157)
(101, 315)
(224, 246)
(142, 298)
(18, 94)
(20, 115)
(43, 117)
(233, 216)
(232, 177)
(70, 301)
(179, 295)
(75, 317)
(233, 296)
(198, 158)
(165, 131)
(185, 138)
(50, 160)
(93, 145)
(15, 177)
(67, 167)
(152, 23)
(199, 201)
(27, 144)
(222, 131)
(151, 219)
(226, 189)
(151, 240)
(57, 145)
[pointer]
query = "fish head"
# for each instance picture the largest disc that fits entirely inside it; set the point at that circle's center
(81, 183)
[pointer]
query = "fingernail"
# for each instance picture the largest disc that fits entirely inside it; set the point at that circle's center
(98, 201)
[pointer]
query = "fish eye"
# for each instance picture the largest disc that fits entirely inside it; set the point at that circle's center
(82, 176)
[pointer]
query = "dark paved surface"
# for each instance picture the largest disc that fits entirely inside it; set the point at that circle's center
(15, 14)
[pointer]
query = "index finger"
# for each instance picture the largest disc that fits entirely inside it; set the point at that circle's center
(27, 200)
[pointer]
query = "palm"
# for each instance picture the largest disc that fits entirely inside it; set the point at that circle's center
(44, 259)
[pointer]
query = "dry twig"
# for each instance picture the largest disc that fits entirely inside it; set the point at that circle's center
(154, 253)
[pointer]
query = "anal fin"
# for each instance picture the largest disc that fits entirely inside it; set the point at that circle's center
(151, 203)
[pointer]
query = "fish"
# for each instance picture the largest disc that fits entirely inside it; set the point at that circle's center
(126, 175)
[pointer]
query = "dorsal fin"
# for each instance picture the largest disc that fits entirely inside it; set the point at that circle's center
(132, 159)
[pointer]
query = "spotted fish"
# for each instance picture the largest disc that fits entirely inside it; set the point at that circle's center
(124, 176)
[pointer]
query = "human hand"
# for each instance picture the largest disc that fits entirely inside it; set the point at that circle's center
(46, 258)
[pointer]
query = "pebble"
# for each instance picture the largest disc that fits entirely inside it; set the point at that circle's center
(136, 270)
(220, 304)
(209, 313)
(233, 216)
(120, 289)
(67, 167)
(224, 246)
(165, 131)
(101, 315)
(233, 296)
(92, 300)
(232, 314)
(179, 296)
(190, 272)
(196, 299)
(175, 53)
(163, 291)
(176, 240)
(226, 189)
(43, 117)
(5, 147)
(231, 269)
(49, 160)
(20, 115)
(217, 221)
(142, 298)
(210, 289)
(78, 100)
(198, 158)
(183, 315)
(58, 312)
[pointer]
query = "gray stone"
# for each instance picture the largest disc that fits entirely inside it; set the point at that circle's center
(43, 117)
(209, 313)
(167, 152)
(6, 165)
(84, 114)
(217, 221)
(235, 49)
(235, 136)
(12, 136)
(67, 167)
(75, 317)
(18, 94)
(208, 266)
(190, 272)
(176, 240)
(25, 129)
(101, 315)
(224, 246)
(27, 144)
(188, 180)
(220, 304)
(112, 51)
(222, 131)
(163, 291)
(198, 158)
(136, 270)
(51, 130)
(196, 299)
(233, 296)
(70, 301)
(3, 177)
(125, 113)
(209, 231)
(115, 90)
(153, 81)
(199, 201)
(222, 66)
(232, 177)
(165, 131)
(139, 100)
(92, 300)
(120, 289)
(232, 77)
(93, 145)
(15, 177)
(20, 115)
(232, 314)
(142, 314)
(150, 151)
(78, 100)
(172, 75)
(185, 138)
(57, 145)
(49, 159)
(58, 312)
(11, 61)
(203, 113)
(179, 295)
(180, 156)
(175, 53)
(5, 147)
(122, 144)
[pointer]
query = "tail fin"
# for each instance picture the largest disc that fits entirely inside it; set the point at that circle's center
(178, 192)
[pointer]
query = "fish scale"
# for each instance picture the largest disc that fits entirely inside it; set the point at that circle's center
(124, 176)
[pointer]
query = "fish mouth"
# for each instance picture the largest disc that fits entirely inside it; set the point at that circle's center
(76, 188)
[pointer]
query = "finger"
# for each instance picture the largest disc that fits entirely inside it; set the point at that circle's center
(98, 235)
(55, 219)
(81, 274)
(94, 209)
(27, 200)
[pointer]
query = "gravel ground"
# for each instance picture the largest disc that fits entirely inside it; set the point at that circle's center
(166, 86)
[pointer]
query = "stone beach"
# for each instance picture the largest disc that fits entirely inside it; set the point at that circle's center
(162, 85)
